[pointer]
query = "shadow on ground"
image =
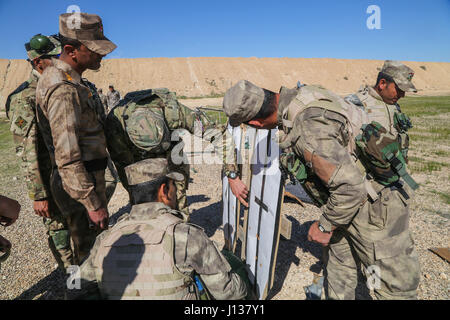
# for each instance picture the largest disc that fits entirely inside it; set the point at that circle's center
(51, 287)
(286, 257)
(209, 217)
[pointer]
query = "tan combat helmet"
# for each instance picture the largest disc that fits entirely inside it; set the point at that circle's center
(401, 74)
(86, 28)
(41, 45)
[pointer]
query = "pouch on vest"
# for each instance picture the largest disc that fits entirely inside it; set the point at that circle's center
(381, 155)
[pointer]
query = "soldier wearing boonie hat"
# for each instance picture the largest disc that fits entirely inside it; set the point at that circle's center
(88, 29)
(31, 149)
(70, 116)
(152, 253)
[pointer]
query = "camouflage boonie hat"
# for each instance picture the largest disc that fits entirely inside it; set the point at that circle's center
(150, 169)
(41, 45)
(243, 101)
(86, 28)
(401, 74)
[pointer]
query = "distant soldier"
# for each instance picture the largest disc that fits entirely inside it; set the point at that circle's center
(30, 148)
(141, 127)
(380, 101)
(113, 97)
(70, 121)
(103, 99)
(151, 253)
(364, 215)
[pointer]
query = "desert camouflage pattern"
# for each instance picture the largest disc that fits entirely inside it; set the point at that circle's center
(378, 237)
(141, 131)
(371, 231)
(401, 74)
(152, 254)
(77, 135)
(89, 31)
(382, 113)
(36, 165)
(319, 127)
(104, 101)
(112, 98)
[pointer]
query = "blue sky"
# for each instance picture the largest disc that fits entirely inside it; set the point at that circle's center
(410, 30)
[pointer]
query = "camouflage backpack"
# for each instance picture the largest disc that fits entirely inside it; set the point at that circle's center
(381, 154)
(141, 107)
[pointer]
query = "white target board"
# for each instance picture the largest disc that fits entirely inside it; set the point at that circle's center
(258, 152)
(264, 212)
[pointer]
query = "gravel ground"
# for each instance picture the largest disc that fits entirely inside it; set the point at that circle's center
(30, 272)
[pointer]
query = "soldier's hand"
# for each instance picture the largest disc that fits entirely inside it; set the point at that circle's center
(99, 218)
(314, 234)
(9, 211)
(239, 189)
(41, 208)
(5, 245)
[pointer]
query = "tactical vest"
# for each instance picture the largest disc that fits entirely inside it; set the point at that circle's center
(389, 116)
(136, 261)
(308, 96)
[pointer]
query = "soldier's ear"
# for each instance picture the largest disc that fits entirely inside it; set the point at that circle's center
(382, 84)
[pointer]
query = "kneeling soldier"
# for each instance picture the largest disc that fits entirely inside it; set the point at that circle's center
(151, 253)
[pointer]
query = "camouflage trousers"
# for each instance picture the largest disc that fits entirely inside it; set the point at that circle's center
(58, 236)
(111, 178)
(379, 239)
(76, 215)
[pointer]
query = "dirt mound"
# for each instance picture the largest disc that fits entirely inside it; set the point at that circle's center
(193, 77)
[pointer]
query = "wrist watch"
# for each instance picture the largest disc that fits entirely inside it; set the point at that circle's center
(231, 175)
(322, 229)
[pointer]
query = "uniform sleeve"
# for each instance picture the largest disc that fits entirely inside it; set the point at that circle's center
(196, 122)
(194, 251)
(63, 115)
(227, 152)
(320, 143)
(24, 129)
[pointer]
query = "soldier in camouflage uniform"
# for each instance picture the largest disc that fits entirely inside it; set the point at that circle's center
(141, 127)
(30, 148)
(152, 253)
(362, 221)
(380, 101)
(104, 100)
(68, 119)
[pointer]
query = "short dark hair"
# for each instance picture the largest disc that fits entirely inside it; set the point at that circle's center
(147, 191)
(111, 86)
(384, 76)
(69, 42)
(268, 106)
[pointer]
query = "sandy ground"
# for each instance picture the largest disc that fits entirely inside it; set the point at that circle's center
(30, 272)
